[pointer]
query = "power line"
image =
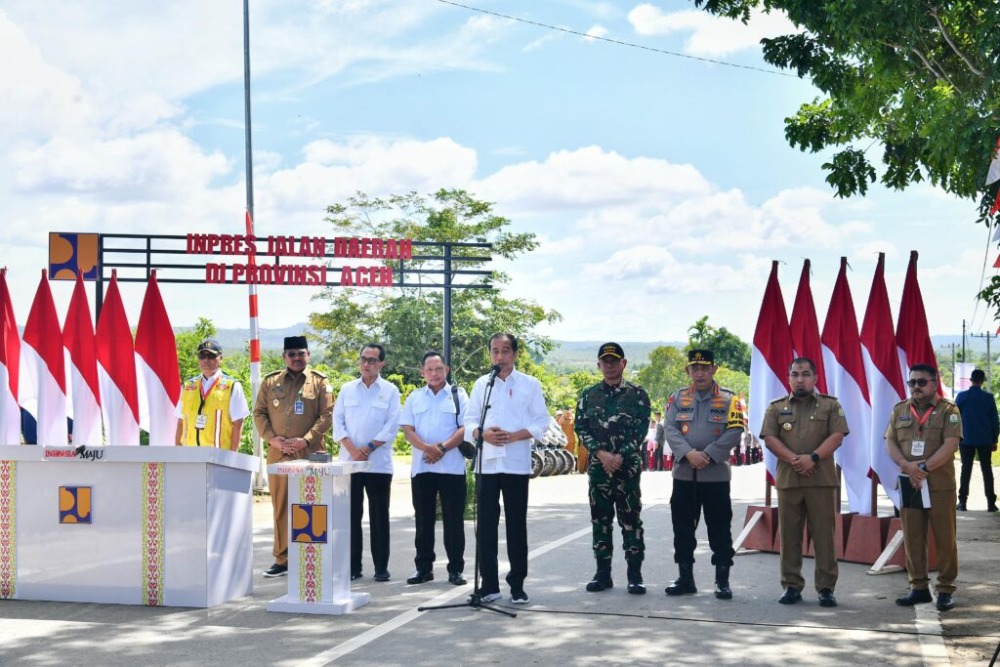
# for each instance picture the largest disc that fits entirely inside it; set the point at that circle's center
(616, 41)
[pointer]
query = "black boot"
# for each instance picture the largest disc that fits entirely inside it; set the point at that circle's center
(683, 584)
(635, 585)
(722, 590)
(602, 578)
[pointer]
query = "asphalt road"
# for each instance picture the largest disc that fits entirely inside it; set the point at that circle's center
(563, 623)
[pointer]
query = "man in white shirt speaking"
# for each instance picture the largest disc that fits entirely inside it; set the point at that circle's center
(431, 421)
(516, 414)
(365, 421)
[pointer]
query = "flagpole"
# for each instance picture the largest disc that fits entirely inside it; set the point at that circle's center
(259, 479)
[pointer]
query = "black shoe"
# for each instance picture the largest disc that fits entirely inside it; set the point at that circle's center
(684, 584)
(992, 507)
(456, 579)
(961, 506)
(382, 575)
(635, 584)
(944, 602)
(276, 571)
(915, 596)
(518, 596)
(601, 581)
(722, 589)
(826, 598)
(418, 577)
(790, 596)
(356, 575)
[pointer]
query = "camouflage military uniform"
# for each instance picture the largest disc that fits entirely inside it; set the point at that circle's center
(615, 419)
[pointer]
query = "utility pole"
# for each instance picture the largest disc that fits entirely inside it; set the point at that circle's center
(954, 376)
(963, 342)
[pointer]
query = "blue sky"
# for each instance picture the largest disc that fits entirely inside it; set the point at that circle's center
(660, 187)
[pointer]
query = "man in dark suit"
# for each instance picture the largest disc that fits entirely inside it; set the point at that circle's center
(981, 427)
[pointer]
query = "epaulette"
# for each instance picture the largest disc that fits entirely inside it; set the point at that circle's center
(826, 396)
(727, 390)
(279, 372)
(315, 372)
(778, 400)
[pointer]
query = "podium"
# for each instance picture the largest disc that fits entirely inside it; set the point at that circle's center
(155, 526)
(319, 537)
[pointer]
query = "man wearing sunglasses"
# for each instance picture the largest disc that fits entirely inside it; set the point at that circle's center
(922, 436)
(365, 421)
(212, 406)
(292, 414)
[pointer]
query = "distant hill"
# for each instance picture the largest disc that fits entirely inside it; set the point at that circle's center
(574, 355)
(567, 355)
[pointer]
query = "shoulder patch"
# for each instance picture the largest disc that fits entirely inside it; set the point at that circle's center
(953, 418)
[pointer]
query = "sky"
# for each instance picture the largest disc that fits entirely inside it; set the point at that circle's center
(660, 186)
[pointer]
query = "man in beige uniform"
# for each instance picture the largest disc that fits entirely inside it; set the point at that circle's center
(803, 430)
(923, 433)
(293, 412)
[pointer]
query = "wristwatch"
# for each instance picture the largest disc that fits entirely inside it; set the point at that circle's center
(922, 466)
(815, 457)
(441, 447)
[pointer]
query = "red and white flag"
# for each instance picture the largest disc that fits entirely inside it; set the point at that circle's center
(43, 371)
(769, 361)
(805, 328)
(158, 370)
(845, 374)
(993, 175)
(913, 338)
(81, 366)
(885, 384)
(10, 368)
(116, 370)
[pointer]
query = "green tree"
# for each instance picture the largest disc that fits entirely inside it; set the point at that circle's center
(187, 346)
(728, 348)
(410, 321)
(665, 374)
(919, 78)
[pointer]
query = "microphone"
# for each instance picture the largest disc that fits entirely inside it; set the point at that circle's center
(494, 373)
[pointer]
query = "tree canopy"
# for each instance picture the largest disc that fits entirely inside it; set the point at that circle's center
(410, 321)
(728, 348)
(918, 78)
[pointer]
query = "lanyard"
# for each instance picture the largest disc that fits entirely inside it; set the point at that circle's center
(206, 392)
(921, 420)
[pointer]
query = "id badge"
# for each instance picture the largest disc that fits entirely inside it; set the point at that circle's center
(300, 408)
(917, 447)
(201, 422)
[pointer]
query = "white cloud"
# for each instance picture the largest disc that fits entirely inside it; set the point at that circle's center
(597, 30)
(709, 36)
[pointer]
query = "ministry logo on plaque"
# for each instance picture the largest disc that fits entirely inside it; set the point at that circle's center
(75, 504)
(309, 524)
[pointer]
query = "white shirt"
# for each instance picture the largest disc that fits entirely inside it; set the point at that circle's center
(365, 414)
(515, 403)
(434, 419)
(238, 408)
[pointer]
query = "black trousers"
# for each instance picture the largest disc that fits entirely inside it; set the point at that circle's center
(969, 453)
(425, 489)
(377, 486)
(688, 501)
(514, 489)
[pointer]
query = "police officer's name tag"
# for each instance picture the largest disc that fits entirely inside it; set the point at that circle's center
(201, 422)
(917, 447)
(300, 407)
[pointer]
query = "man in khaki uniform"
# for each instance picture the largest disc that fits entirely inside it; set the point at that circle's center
(923, 433)
(803, 430)
(293, 412)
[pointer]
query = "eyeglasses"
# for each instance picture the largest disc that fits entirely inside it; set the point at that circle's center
(922, 382)
(371, 361)
(205, 354)
(296, 355)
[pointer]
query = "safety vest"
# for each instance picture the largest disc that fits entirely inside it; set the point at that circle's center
(218, 429)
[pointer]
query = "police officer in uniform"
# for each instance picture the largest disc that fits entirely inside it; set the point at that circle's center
(923, 433)
(702, 424)
(611, 420)
(212, 406)
(293, 412)
(803, 430)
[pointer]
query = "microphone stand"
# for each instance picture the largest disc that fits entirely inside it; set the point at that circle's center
(475, 600)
